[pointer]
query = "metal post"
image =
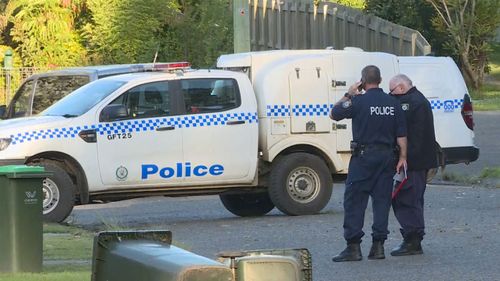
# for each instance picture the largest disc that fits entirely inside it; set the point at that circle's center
(7, 64)
(241, 25)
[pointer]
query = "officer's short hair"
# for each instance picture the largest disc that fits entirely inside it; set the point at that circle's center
(402, 79)
(371, 75)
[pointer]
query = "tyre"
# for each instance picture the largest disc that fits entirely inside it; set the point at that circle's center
(247, 204)
(300, 184)
(58, 192)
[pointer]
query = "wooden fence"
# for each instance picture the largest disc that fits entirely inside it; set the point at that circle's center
(299, 24)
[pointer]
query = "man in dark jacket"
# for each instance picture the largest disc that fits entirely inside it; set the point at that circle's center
(408, 205)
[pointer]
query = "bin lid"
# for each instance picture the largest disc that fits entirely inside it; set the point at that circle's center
(22, 170)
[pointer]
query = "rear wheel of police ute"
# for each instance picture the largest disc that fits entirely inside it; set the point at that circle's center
(300, 184)
(58, 192)
(247, 204)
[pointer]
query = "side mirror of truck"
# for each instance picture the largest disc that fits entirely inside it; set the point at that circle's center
(113, 112)
(2, 110)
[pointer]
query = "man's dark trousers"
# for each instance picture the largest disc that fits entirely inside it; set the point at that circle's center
(408, 205)
(369, 175)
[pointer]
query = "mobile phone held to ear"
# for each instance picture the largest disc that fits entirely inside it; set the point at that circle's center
(362, 85)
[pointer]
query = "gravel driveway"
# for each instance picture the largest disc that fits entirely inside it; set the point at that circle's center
(462, 241)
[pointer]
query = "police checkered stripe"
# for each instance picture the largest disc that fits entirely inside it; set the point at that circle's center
(218, 119)
(447, 104)
(280, 110)
(137, 126)
(56, 133)
(128, 126)
(310, 110)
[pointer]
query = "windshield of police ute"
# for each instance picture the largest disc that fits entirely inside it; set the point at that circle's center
(83, 99)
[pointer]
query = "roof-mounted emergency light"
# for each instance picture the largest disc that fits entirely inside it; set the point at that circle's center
(171, 66)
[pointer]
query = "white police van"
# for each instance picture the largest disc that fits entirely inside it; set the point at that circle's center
(257, 134)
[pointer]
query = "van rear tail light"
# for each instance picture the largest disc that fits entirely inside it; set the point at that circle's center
(467, 112)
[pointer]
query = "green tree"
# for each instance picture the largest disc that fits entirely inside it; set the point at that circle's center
(470, 25)
(415, 14)
(42, 32)
(126, 31)
(200, 33)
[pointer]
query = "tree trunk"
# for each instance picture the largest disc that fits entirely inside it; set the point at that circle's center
(471, 76)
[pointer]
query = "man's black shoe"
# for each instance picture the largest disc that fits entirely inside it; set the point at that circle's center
(407, 248)
(351, 253)
(377, 251)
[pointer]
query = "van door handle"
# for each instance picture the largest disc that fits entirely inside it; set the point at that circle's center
(169, 128)
(239, 122)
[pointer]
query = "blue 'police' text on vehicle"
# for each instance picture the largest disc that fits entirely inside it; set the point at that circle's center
(181, 170)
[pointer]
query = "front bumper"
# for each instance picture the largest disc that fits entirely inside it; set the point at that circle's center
(464, 154)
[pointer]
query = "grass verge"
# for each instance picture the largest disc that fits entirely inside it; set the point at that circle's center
(488, 96)
(488, 177)
(48, 276)
(490, 173)
(66, 243)
(487, 104)
(67, 253)
(495, 61)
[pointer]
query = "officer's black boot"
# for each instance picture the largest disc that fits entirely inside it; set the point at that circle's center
(411, 246)
(377, 250)
(351, 253)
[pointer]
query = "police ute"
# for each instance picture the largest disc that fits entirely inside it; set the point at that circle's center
(255, 131)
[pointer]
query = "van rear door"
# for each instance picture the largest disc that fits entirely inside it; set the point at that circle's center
(441, 82)
(347, 68)
(309, 105)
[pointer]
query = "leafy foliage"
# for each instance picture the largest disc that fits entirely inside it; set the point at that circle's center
(126, 31)
(78, 32)
(200, 34)
(415, 14)
(43, 32)
(457, 28)
(48, 33)
(358, 4)
(469, 25)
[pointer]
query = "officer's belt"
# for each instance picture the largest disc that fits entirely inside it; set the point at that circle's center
(375, 147)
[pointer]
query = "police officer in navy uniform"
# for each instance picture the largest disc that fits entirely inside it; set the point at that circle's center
(408, 204)
(378, 124)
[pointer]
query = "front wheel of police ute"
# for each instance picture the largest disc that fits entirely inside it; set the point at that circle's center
(58, 192)
(247, 204)
(300, 184)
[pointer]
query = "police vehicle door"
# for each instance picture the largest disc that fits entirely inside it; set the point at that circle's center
(145, 148)
(219, 132)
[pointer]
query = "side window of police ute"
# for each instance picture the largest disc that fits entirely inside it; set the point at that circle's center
(53, 88)
(210, 95)
(22, 103)
(147, 100)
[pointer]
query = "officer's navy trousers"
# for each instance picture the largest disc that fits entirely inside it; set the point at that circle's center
(370, 175)
(408, 205)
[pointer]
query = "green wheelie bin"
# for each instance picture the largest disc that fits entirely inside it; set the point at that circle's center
(21, 228)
